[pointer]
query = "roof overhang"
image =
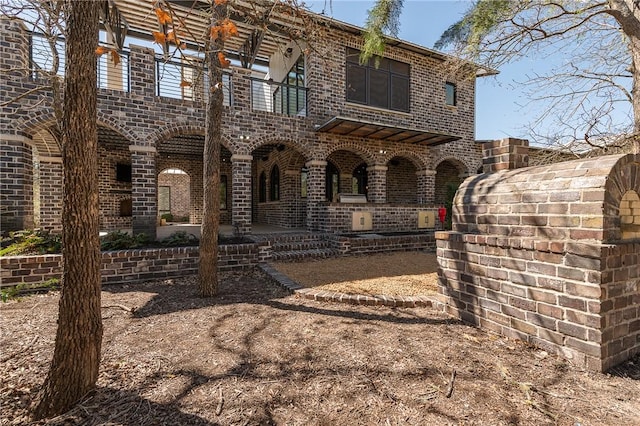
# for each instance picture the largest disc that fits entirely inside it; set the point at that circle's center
(388, 132)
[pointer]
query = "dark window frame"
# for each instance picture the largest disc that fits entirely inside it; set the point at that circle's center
(274, 183)
(450, 94)
(396, 73)
(262, 188)
(223, 192)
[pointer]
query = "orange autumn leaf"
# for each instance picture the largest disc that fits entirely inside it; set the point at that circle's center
(229, 28)
(214, 32)
(171, 37)
(101, 50)
(115, 57)
(163, 17)
(159, 37)
(219, 2)
(224, 62)
(185, 83)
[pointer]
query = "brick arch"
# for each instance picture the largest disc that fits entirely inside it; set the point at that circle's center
(411, 156)
(170, 130)
(115, 125)
(623, 178)
(367, 156)
(460, 164)
(298, 147)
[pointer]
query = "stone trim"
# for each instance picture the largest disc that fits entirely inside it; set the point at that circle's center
(50, 159)
(140, 148)
(319, 163)
(241, 157)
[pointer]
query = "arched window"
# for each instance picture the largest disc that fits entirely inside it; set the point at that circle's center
(274, 184)
(262, 188)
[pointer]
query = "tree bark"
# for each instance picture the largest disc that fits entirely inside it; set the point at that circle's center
(627, 14)
(76, 358)
(208, 266)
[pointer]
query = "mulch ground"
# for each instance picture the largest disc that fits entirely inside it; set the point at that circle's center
(255, 355)
(393, 274)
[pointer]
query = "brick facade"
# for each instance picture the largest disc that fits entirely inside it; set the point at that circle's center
(143, 130)
(540, 254)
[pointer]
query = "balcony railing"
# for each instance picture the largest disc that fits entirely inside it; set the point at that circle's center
(43, 53)
(187, 81)
(280, 98)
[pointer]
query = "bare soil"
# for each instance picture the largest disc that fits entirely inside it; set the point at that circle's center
(255, 355)
(394, 274)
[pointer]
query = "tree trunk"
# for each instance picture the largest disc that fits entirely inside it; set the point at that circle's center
(76, 358)
(634, 47)
(627, 14)
(208, 266)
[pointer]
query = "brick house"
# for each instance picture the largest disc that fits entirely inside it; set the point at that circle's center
(301, 126)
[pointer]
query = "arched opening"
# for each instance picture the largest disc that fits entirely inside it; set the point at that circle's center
(174, 196)
(115, 179)
(448, 179)
(351, 170)
(279, 198)
(630, 215)
(402, 181)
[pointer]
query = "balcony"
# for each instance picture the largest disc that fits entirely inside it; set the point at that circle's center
(183, 80)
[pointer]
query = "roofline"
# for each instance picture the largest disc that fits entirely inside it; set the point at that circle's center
(481, 71)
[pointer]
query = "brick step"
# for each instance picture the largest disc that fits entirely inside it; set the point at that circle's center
(295, 255)
(300, 245)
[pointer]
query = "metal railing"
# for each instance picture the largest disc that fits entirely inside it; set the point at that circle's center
(279, 98)
(187, 81)
(43, 51)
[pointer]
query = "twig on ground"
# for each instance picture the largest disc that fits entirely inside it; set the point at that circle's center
(220, 402)
(451, 381)
(119, 306)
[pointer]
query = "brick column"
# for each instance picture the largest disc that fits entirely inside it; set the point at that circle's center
(241, 193)
(426, 186)
(15, 49)
(16, 183)
(289, 197)
(241, 89)
(51, 186)
(315, 192)
(505, 154)
(143, 71)
(144, 187)
(377, 181)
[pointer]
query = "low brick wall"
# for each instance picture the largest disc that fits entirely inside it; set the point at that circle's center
(128, 265)
(336, 217)
(389, 243)
(577, 299)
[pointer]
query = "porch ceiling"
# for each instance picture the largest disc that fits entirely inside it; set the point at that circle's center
(387, 132)
(258, 21)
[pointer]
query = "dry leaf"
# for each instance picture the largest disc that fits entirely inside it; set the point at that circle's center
(163, 17)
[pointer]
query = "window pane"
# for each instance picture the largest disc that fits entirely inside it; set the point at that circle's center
(353, 56)
(450, 92)
(356, 84)
(379, 89)
(399, 68)
(399, 93)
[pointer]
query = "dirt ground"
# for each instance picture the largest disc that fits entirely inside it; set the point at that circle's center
(394, 274)
(256, 355)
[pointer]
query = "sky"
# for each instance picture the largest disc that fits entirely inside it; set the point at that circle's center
(499, 100)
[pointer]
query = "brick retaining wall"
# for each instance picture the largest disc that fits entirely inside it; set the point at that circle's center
(128, 265)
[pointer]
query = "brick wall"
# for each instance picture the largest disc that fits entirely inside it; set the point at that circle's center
(143, 123)
(336, 217)
(536, 254)
(128, 265)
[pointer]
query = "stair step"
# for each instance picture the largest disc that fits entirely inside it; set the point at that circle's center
(300, 245)
(294, 255)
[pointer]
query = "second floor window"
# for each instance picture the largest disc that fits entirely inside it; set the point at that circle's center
(451, 94)
(385, 86)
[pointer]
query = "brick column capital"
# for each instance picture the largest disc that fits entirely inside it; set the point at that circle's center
(239, 158)
(142, 149)
(377, 168)
(316, 163)
(426, 172)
